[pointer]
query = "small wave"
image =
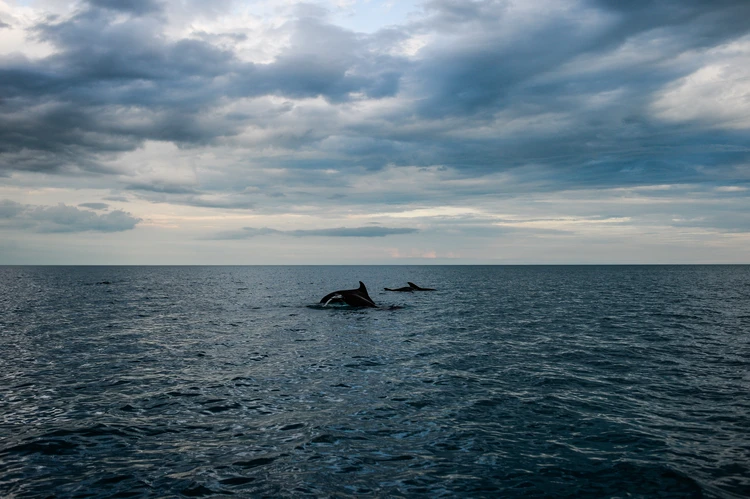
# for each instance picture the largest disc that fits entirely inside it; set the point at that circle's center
(254, 463)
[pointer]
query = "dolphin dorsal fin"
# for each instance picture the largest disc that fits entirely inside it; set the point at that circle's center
(363, 289)
(412, 285)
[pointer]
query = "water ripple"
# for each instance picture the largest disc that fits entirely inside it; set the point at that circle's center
(506, 382)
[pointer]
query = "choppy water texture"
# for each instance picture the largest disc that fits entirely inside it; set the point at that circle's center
(506, 382)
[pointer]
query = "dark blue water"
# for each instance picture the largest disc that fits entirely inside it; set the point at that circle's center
(601, 381)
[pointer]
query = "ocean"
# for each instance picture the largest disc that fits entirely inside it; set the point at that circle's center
(507, 381)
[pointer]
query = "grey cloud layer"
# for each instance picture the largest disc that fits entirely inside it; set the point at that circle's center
(63, 218)
(555, 93)
(249, 232)
(114, 84)
(95, 206)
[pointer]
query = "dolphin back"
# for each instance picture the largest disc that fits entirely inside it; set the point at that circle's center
(352, 297)
(327, 297)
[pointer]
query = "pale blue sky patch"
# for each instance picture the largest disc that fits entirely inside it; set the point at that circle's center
(369, 16)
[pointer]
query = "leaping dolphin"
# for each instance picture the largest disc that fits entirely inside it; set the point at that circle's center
(352, 297)
(414, 287)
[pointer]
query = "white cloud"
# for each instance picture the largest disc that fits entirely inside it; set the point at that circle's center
(717, 94)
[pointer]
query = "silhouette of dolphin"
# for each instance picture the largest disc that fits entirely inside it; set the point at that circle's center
(404, 289)
(417, 288)
(352, 297)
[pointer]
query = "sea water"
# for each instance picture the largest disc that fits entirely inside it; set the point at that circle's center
(507, 381)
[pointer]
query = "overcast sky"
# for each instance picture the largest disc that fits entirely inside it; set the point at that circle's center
(366, 131)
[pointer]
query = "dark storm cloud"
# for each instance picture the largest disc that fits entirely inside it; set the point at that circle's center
(698, 23)
(476, 73)
(561, 98)
(63, 218)
(114, 83)
(475, 70)
(373, 231)
(321, 60)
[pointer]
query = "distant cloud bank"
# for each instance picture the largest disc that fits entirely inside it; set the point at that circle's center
(63, 218)
(249, 232)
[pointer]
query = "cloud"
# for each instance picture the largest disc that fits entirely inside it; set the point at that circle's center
(212, 109)
(494, 87)
(63, 218)
(731, 188)
(244, 233)
(371, 231)
(715, 94)
(116, 82)
(161, 187)
(10, 209)
(353, 232)
(95, 206)
(137, 7)
(696, 23)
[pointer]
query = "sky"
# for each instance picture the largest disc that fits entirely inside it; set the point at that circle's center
(374, 132)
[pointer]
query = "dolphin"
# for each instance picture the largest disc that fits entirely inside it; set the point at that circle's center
(417, 288)
(405, 289)
(352, 297)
